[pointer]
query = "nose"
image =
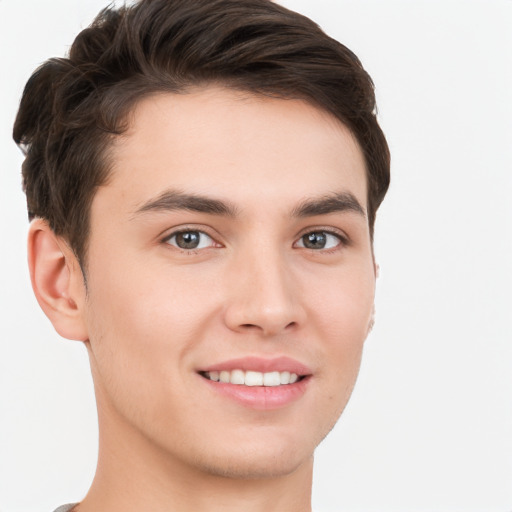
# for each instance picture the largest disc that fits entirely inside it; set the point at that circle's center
(264, 296)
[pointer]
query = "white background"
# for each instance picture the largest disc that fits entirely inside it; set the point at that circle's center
(429, 427)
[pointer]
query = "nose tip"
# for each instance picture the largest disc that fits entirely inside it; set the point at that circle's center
(265, 302)
(265, 319)
(268, 322)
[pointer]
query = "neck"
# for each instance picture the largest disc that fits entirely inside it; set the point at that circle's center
(133, 474)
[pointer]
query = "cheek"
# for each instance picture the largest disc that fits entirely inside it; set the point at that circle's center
(137, 312)
(344, 304)
(148, 318)
(141, 331)
(343, 316)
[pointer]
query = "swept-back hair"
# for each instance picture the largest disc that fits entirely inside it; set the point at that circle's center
(72, 107)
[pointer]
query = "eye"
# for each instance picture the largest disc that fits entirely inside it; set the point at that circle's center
(190, 240)
(319, 240)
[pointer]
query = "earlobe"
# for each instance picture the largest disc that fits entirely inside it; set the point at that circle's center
(57, 281)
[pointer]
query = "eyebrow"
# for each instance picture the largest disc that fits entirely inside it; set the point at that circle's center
(331, 203)
(171, 200)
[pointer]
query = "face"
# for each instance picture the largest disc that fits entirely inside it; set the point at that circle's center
(230, 280)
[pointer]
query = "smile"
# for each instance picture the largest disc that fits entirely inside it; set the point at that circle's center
(258, 383)
(252, 378)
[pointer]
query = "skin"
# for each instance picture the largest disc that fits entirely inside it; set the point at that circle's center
(153, 313)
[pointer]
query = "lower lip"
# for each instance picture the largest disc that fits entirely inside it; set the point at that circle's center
(262, 398)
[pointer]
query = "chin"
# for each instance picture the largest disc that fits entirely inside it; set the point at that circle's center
(254, 468)
(272, 455)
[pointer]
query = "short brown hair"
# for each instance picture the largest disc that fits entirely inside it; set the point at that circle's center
(72, 107)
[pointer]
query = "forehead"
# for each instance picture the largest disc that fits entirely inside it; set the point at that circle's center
(233, 144)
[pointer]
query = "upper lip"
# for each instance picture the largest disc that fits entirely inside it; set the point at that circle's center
(259, 364)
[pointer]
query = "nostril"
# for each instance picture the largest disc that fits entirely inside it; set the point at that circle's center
(256, 315)
(249, 326)
(258, 327)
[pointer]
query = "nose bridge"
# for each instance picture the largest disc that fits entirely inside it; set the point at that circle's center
(263, 292)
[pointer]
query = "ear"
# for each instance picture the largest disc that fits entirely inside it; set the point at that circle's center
(372, 321)
(57, 281)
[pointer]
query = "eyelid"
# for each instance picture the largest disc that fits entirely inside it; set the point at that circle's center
(172, 232)
(344, 240)
(325, 229)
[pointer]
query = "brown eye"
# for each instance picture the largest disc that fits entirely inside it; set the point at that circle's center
(190, 240)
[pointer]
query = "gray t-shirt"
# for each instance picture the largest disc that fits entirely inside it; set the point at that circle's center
(66, 508)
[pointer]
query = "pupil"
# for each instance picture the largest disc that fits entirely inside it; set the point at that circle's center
(314, 240)
(187, 239)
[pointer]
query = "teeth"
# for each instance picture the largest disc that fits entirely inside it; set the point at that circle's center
(251, 378)
(271, 379)
(237, 377)
(284, 377)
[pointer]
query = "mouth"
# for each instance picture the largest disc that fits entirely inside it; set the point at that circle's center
(253, 378)
(258, 383)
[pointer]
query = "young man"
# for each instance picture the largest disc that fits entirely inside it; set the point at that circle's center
(202, 179)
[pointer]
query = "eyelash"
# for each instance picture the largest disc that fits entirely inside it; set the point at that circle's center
(193, 250)
(342, 240)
